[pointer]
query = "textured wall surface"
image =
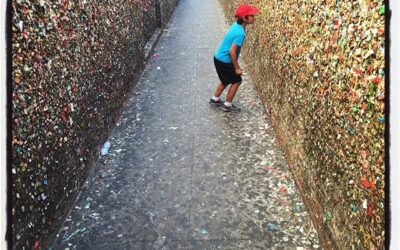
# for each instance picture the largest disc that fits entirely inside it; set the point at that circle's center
(3, 126)
(319, 68)
(73, 65)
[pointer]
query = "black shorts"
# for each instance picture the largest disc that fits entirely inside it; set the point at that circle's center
(226, 72)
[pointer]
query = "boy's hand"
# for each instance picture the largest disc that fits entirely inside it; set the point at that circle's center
(239, 71)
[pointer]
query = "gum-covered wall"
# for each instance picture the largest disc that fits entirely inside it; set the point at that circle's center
(74, 63)
(319, 69)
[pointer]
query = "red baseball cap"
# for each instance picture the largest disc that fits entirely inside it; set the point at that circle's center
(244, 10)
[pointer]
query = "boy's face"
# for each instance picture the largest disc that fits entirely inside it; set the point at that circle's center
(249, 19)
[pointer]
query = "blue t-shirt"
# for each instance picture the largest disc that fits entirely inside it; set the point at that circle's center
(235, 35)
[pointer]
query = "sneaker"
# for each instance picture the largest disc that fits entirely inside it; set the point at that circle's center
(214, 103)
(232, 108)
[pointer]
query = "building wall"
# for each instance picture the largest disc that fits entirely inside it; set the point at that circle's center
(319, 69)
(3, 126)
(74, 63)
(394, 120)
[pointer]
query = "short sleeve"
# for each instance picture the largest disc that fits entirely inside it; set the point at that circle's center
(239, 39)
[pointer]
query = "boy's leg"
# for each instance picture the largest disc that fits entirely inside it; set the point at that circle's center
(232, 92)
(228, 106)
(216, 100)
(218, 91)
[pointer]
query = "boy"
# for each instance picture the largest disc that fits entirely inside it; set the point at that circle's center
(226, 58)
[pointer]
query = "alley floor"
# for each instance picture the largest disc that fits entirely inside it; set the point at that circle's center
(183, 175)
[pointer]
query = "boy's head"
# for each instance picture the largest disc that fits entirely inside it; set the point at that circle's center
(245, 13)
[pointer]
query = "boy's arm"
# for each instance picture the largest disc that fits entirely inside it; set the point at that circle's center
(233, 56)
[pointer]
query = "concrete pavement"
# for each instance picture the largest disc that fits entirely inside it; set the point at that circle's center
(183, 175)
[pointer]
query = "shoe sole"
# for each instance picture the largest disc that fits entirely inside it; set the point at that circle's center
(215, 105)
(233, 111)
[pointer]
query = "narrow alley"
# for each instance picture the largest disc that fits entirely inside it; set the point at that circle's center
(183, 175)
